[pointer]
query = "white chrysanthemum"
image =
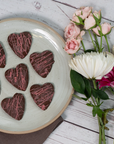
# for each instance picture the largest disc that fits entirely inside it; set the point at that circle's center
(93, 65)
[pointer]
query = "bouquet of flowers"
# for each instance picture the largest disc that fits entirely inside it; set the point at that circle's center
(92, 72)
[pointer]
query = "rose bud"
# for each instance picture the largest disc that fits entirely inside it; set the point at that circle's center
(71, 31)
(72, 46)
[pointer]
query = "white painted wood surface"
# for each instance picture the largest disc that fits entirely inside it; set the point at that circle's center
(79, 126)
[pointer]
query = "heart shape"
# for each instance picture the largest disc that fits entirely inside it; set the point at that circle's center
(42, 95)
(2, 57)
(14, 106)
(42, 62)
(20, 43)
(18, 77)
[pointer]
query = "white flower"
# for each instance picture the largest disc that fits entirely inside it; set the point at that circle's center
(93, 65)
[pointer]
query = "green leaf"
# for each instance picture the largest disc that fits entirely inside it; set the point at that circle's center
(96, 19)
(98, 111)
(87, 88)
(77, 81)
(90, 50)
(100, 104)
(76, 23)
(85, 99)
(100, 32)
(80, 19)
(89, 104)
(99, 94)
(94, 111)
(80, 98)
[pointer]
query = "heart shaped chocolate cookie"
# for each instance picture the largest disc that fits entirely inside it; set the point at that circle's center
(18, 77)
(42, 62)
(14, 106)
(42, 95)
(2, 57)
(20, 43)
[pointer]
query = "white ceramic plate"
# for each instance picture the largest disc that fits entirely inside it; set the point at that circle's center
(44, 38)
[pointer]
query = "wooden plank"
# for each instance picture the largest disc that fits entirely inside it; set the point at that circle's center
(70, 134)
(78, 113)
(69, 9)
(105, 5)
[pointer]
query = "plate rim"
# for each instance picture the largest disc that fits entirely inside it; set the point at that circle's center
(59, 114)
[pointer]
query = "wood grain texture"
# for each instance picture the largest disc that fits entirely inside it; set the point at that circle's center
(69, 134)
(79, 126)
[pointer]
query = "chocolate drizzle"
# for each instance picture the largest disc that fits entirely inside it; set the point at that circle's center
(18, 77)
(20, 43)
(2, 57)
(14, 106)
(42, 95)
(42, 62)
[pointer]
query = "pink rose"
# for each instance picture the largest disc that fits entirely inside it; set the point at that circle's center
(95, 30)
(89, 22)
(72, 46)
(97, 14)
(82, 12)
(71, 31)
(86, 12)
(106, 28)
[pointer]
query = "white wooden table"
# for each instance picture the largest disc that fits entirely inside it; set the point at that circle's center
(79, 126)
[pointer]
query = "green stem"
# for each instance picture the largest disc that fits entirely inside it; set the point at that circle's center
(100, 131)
(107, 43)
(74, 54)
(103, 135)
(103, 131)
(94, 84)
(101, 45)
(97, 43)
(101, 126)
(83, 45)
(101, 38)
(92, 40)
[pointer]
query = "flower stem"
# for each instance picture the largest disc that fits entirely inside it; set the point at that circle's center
(103, 135)
(101, 38)
(83, 45)
(103, 131)
(97, 43)
(100, 131)
(74, 54)
(101, 126)
(107, 43)
(94, 84)
(92, 40)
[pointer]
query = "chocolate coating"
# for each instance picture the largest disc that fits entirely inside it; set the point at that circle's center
(18, 77)
(42, 95)
(14, 106)
(20, 43)
(2, 57)
(42, 62)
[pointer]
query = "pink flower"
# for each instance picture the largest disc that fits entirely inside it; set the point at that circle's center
(97, 14)
(83, 12)
(72, 46)
(107, 80)
(89, 22)
(71, 31)
(95, 30)
(106, 28)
